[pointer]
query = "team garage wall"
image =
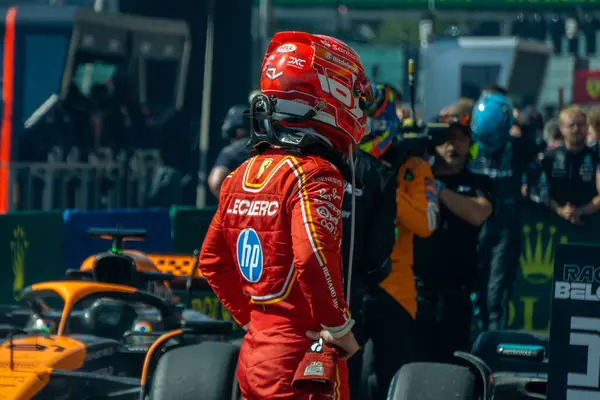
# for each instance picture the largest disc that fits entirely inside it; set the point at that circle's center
(232, 60)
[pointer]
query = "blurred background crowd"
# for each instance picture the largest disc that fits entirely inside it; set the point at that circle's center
(114, 110)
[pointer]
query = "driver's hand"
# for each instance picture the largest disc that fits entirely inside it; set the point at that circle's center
(347, 343)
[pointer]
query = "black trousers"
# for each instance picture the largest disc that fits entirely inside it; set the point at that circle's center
(391, 329)
(443, 323)
(499, 252)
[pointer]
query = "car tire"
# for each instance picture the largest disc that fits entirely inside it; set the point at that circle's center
(433, 381)
(207, 368)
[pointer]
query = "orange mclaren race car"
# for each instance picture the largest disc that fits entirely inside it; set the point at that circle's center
(111, 330)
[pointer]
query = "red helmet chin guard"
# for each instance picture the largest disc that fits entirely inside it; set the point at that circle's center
(303, 72)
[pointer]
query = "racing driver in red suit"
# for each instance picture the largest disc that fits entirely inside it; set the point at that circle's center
(272, 253)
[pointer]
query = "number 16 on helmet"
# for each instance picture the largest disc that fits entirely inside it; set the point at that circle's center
(304, 72)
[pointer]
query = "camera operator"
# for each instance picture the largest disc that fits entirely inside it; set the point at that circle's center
(446, 262)
(572, 170)
(462, 106)
(389, 307)
(502, 153)
(374, 223)
(236, 128)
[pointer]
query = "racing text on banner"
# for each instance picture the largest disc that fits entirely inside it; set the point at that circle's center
(574, 332)
(542, 231)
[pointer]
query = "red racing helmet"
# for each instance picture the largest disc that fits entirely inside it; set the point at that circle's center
(317, 75)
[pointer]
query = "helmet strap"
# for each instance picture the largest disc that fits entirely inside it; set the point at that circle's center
(267, 131)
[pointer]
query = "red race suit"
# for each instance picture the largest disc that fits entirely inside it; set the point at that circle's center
(272, 254)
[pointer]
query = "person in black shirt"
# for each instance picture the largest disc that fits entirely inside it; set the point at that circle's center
(236, 127)
(374, 241)
(572, 170)
(374, 237)
(446, 262)
(503, 153)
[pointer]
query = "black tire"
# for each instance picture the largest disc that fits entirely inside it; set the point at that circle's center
(433, 381)
(486, 345)
(207, 368)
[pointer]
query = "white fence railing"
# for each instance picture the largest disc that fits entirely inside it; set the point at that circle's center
(104, 180)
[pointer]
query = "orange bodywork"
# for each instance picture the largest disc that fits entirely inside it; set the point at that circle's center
(176, 264)
(35, 357)
(33, 360)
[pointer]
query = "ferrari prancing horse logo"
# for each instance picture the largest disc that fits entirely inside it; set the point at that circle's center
(263, 167)
(593, 88)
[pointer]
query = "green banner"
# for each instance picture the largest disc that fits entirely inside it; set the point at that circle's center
(189, 226)
(542, 230)
(31, 250)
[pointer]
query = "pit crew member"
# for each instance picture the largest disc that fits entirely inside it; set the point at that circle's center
(390, 306)
(573, 170)
(374, 216)
(446, 262)
(503, 154)
(236, 128)
(272, 252)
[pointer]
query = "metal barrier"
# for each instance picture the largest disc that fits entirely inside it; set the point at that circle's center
(105, 181)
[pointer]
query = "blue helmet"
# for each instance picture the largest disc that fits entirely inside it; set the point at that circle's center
(491, 122)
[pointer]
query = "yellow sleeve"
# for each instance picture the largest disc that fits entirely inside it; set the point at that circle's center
(417, 204)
